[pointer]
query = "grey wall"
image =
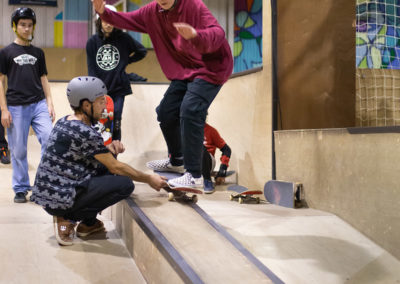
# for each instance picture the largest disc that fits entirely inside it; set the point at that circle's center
(353, 176)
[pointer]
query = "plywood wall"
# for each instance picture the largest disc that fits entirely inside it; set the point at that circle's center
(316, 63)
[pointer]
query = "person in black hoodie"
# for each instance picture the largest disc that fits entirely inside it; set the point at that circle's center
(108, 52)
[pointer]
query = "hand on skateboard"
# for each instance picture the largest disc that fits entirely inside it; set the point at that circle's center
(179, 193)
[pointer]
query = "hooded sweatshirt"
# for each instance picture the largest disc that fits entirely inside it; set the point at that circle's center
(108, 57)
(207, 56)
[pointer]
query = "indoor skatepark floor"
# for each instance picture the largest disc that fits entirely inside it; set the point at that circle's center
(298, 246)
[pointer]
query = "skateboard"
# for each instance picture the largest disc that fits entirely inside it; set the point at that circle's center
(105, 125)
(228, 173)
(179, 193)
(287, 194)
(244, 194)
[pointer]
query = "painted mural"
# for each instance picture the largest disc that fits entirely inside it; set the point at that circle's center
(247, 50)
(71, 25)
(377, 34)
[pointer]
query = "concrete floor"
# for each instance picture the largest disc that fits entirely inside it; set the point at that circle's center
(299, 246)
(30, 253)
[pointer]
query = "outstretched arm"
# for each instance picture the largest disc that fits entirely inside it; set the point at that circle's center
(116, 167)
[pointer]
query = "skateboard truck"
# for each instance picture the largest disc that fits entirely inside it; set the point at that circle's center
(181, 194)
(243, 194)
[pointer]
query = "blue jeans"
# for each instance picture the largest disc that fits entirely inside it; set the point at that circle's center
(182, 114)
(37, 116)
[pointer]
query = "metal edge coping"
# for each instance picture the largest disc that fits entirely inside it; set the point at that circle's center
(373, 130)
(275, 279)
(173, 257)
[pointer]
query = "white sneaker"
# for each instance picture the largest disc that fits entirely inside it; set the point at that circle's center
(187, 180)
(164, 166)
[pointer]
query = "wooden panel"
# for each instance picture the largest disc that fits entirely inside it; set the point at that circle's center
(316, 63)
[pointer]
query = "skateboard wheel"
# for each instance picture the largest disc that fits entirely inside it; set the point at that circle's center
(231, 198)
(194, 198)
(170, 196)
(258, 200)
(240, 200)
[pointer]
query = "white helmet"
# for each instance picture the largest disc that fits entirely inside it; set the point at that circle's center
(111, 7)
(85, 87)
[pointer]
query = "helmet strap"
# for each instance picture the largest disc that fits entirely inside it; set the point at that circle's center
(90, 116)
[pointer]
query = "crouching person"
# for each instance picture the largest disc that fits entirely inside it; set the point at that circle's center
(78, 176)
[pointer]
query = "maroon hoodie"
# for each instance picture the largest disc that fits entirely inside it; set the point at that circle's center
(207, 56)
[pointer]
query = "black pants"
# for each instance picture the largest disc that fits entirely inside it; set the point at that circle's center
(182, 115)
(207, 166)
(3, 141)
(95, 195)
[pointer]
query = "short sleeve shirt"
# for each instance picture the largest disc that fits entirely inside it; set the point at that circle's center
(23, 66)
(67, 162)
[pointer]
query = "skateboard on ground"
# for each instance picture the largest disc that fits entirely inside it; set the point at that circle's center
(243, 194)
(105, 125)
(228, 173)
(179, 193)
(287, 194)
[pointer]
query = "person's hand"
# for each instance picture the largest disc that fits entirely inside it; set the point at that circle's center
(99, 6)
(52, 113)
(157, 182)
(116, 147)
(185, 30)
(6, 118)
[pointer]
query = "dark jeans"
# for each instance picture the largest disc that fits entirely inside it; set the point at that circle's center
(3, 141)
(182, 115)
(118, 108)
(207, 164)
(95, 195)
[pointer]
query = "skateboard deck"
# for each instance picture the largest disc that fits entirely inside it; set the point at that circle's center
(179, 193)
(282, 193)
(228, 173)
(168, 175)
(105, 125)
(244, 194)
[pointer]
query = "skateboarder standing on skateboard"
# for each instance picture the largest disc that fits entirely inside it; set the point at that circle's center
(108, 52)
(78, 176)
(195, 56)
(212, 141)
(27, 101)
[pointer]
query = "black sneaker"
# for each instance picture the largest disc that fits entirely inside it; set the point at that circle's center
(5, 155)
(20, 197)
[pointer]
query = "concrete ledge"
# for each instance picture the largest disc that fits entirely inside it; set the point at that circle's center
(171, 240)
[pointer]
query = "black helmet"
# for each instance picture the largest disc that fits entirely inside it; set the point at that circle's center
(85, 87)
(23, 13)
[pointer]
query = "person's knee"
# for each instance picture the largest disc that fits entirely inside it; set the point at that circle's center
(164, 116)
(126, 186)
(196, 111)
(19, 152)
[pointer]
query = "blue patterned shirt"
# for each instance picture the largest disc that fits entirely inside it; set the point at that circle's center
(67, 162)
